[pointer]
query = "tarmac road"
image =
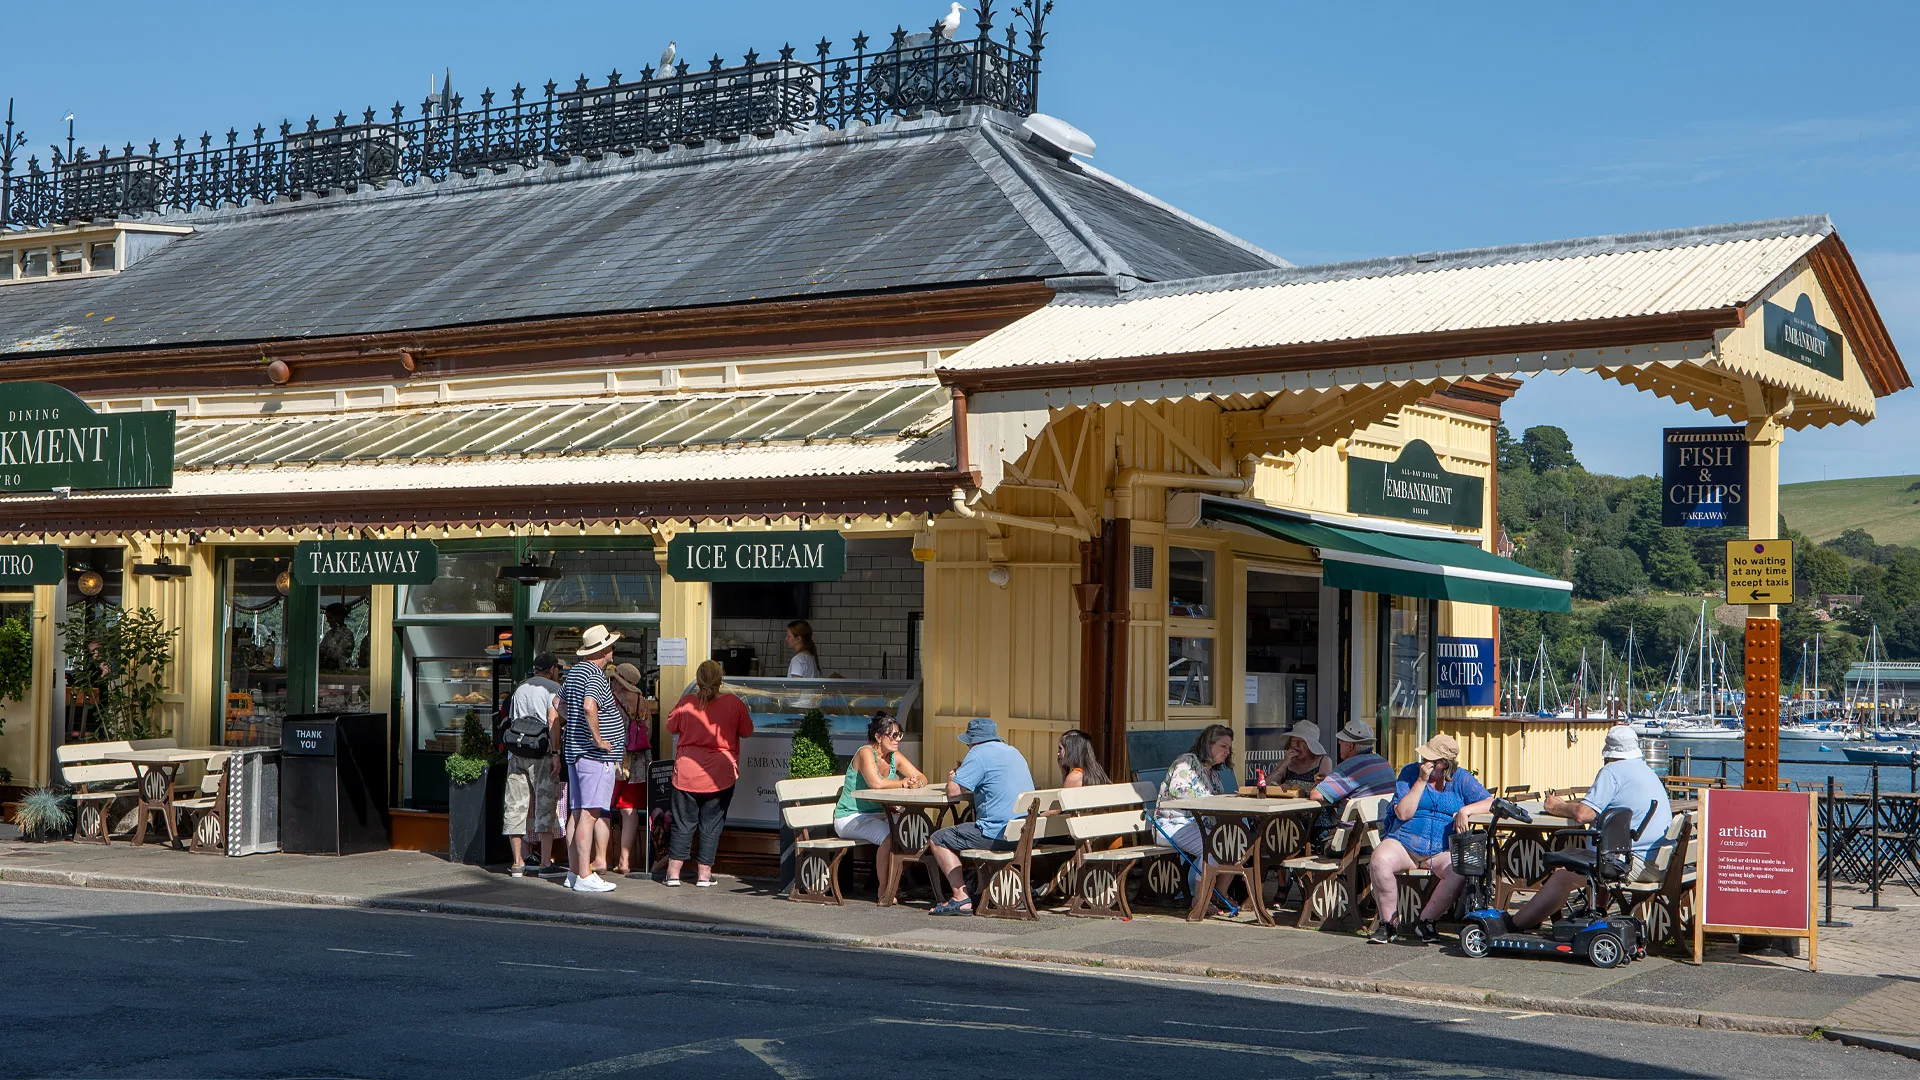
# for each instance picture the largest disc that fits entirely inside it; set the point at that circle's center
(125, 985)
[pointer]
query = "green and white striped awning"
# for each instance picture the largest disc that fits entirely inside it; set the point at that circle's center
(1396, 565)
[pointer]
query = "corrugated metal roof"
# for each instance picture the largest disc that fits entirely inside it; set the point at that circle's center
(1572, 281)
(884, 413)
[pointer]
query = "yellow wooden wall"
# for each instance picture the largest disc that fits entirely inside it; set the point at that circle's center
(1539, 755)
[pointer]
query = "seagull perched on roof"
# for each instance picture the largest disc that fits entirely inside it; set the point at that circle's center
(666, 58)
(950, 24)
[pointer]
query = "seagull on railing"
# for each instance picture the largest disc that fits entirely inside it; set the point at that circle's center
(950, 24)
(666, 58)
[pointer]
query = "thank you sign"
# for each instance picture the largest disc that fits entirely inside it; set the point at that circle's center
(1413, 487)
(767, 556)
(50, 439)
(31, 564)
(365, 562)
(1798, 336)
(1703, 477)
(1466, 671)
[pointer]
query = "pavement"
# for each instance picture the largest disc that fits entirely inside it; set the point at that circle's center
(1874, 991)
(190, 986)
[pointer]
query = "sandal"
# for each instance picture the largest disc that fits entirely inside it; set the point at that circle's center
(953, 907)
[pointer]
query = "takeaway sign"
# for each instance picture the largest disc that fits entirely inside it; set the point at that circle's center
(1703, 477)
(365, 562)
(767, 556)
(51, 439)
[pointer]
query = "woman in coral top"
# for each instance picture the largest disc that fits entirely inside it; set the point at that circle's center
(707, 726)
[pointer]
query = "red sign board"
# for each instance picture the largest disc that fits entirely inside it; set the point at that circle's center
(1756, 862)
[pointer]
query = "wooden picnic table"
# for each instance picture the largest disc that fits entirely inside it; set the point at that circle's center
(158, 770)
(912, 816)
(1236, 834)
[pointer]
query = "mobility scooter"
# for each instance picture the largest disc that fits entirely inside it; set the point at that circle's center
(1583, 928)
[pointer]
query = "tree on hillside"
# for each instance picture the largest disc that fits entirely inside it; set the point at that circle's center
(1508, 453)
(1824, 570)
(1548, 448)
(1902, 582)
(1903, 637)
(1854, 543)
(1672, 566)
(1604, 573)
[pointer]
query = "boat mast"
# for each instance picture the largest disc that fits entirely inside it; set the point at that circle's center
(1629, 671)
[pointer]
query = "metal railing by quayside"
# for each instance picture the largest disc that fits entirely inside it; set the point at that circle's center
(911, 74)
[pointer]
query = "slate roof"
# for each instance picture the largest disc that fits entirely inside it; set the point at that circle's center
(956, 200)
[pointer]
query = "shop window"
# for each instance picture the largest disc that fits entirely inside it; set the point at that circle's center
(6, 266)
(1410, 669)
(346, 649)
(254, 653)
(100, 257)
(1189, 671)
(602, 582)
(469, 584)
(68, 260)
(33, 264)
(1189, 583)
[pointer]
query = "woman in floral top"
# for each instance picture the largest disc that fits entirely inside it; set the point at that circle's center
(1196, 774)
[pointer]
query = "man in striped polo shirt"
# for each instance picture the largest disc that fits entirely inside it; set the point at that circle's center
(594, 735)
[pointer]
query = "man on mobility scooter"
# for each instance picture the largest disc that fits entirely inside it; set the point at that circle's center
(1625, 849)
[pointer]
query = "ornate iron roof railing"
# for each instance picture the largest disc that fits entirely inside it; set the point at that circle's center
(912, 74)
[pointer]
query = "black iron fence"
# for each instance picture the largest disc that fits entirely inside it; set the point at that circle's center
(912, 74)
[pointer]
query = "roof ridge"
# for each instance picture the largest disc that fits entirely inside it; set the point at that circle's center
(1108, 261)
(1089, 169)
(1542, 251)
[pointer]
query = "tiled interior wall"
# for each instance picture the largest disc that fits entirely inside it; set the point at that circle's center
(855, 619)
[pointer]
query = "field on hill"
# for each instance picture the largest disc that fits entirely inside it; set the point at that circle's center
(1886, 506)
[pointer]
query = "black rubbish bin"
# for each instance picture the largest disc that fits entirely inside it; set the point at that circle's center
(333, 784)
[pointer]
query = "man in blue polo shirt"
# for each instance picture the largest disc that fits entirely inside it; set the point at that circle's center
(997, 775)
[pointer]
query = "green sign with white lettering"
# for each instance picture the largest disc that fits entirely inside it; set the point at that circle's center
(31, 564)
(1798, 336)
(365, 562)
(50, 439)
(1413, 487)
(767, 556)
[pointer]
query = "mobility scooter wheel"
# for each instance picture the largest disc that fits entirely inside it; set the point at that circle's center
(1606, 951)
(1473, 940)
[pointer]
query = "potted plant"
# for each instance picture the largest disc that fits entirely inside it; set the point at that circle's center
(44, 814)
(120, 658)
(812, 756)
(476, 797)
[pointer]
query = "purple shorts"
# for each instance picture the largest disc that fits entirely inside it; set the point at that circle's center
(590, 784)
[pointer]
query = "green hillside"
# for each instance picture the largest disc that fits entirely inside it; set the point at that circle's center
(1886, 506)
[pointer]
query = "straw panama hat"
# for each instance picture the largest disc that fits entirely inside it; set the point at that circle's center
(596, 639)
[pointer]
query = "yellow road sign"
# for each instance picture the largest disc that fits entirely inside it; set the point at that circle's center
(1759, 571)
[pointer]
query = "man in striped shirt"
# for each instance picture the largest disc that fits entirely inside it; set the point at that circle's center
(594, 736)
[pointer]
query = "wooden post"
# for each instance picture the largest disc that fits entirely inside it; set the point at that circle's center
(1767, 411)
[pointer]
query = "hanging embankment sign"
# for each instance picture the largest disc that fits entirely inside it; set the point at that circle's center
(51, 439)
(768, 556)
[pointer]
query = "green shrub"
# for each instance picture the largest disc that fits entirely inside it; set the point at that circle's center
(469, 763)
(812, 748)
(44, 812)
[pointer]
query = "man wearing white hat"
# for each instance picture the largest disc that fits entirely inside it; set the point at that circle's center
(594, 735)
(1624, 780)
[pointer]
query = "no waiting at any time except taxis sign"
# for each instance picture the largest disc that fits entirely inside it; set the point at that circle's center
(1759, 571)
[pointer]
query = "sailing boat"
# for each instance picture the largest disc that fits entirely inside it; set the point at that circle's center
(1703, 721)
(1881, 753)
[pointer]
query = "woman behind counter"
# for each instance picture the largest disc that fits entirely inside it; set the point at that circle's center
(708, 726)
(806, 661)
(857, 819)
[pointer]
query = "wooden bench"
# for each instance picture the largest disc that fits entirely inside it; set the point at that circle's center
(1006, 877)
(1330, 884)
(96, 784)
(1666, 906)
(1111, 834)
(806, 806)
(206, 811)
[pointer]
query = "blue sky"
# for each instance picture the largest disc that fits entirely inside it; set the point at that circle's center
(1321, 132)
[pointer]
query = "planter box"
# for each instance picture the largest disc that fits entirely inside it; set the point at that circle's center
(473, 819)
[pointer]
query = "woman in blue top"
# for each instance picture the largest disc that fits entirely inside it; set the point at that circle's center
(1432, 799)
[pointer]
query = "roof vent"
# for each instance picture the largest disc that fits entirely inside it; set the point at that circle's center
(1056, 136)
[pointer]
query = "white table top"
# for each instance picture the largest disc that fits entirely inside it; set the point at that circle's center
(931, 795)
(162, 757)
(1241, 804)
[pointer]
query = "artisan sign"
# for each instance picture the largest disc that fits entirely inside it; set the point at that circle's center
(1798, 337)
(1756, 863)
(1759, 571)
(767, 556)
(1465, 671)
(1703, 479)
(365, 562)
(1413, 487)
(31, 564)
(50, 439)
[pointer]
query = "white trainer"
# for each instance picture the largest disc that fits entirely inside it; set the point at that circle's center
(594, 883)
(573, 880)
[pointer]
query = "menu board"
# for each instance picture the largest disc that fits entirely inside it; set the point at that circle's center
(1756, 865)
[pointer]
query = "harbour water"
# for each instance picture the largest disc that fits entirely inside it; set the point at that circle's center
(1826, 760)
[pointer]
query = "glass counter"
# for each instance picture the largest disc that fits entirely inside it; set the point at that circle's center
(777, 705)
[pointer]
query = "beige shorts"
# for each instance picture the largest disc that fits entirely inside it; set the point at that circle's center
(532, 792)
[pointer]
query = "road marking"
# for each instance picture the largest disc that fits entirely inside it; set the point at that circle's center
(1523, 1016)
(362, 952)
(773, 1059)
(197, 937)
(968, 1005)
(668, 1055)
(1400, 1066)
(563, 967)
(1268, 1031)
(744, 986)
